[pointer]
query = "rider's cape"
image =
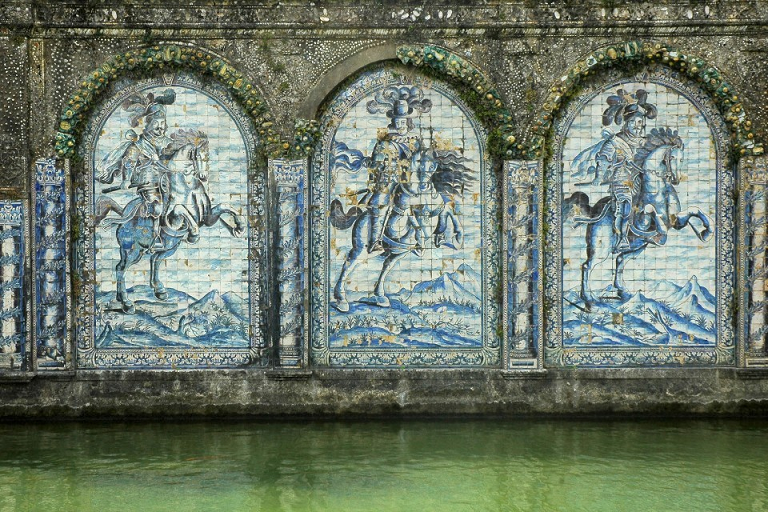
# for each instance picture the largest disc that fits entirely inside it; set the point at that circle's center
(584, 160)
(112, 164)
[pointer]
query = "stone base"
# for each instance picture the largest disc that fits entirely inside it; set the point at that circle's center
(9, 361)
(390, 393)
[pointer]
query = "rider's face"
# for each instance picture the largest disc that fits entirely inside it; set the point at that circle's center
(157, 127)
(636, 126)
(401, 125)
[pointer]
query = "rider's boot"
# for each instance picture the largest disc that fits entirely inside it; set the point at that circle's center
(377, 227)
(623, 244)
(193, 235)
(157, 241)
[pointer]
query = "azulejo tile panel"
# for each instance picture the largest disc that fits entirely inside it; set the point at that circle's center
(640, 263)
(405, 233)
(175, 265)
(51, 303)
(14, 350)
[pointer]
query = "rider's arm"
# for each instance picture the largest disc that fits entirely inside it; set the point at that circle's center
(604, 161)
(129, 164)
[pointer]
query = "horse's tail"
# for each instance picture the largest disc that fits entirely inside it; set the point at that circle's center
(126, 214)
(341, 220)
(104, 205)
(583, 213)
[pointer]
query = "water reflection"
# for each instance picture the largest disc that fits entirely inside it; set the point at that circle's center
(396, 465)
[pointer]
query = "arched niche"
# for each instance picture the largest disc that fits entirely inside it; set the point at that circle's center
(391, 140)
(169, 228)
(641, 228)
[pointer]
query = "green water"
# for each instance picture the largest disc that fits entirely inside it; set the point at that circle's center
(396, 465)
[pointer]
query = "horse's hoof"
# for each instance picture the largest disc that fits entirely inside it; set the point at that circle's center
(193, 238)
(704, 234)
(129, 308)
(377, 300)
(341, 305)
(161, 294)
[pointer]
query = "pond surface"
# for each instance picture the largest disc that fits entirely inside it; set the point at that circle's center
(415, 465)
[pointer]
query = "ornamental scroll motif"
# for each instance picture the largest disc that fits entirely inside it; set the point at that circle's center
(291, 179)
(52, 300)
(523, 284)
(754, 255)
(14, 344)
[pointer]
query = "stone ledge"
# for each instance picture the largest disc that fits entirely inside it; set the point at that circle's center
(752, 373)
(330, 374)
(524, 374)
(16, 376)
(288, 374)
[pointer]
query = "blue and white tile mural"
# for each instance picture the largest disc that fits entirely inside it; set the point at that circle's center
(405, 232)
(640, 269)
(167, 202)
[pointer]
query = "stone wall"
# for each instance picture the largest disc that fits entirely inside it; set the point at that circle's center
(333, 208)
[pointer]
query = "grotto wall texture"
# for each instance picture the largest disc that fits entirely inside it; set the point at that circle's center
(371, 208)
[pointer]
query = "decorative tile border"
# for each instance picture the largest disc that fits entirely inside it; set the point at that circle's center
(14, 321)
(51, 300)
(291, 179)
(523, 290)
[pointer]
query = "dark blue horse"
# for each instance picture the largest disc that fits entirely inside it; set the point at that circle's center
(187, 207)
(427, 191)
(655, 206)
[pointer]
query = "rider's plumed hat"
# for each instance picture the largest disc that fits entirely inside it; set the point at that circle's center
(624, 105)
(399, 102)
(149, 106)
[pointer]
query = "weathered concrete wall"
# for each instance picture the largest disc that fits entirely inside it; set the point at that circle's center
(296, 55)
(247, 393)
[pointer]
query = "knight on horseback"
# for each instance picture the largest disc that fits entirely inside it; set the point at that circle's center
(140, 161)
(614, 156)
(391, 157)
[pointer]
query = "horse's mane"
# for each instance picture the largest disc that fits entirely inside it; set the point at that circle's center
(451, 176)
(659, 137)
(183, 137)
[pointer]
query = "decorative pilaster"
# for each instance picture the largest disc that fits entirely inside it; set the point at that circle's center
(291, 179)
(14, 340)
(522, 314)
(51, 302)
(753, 253)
